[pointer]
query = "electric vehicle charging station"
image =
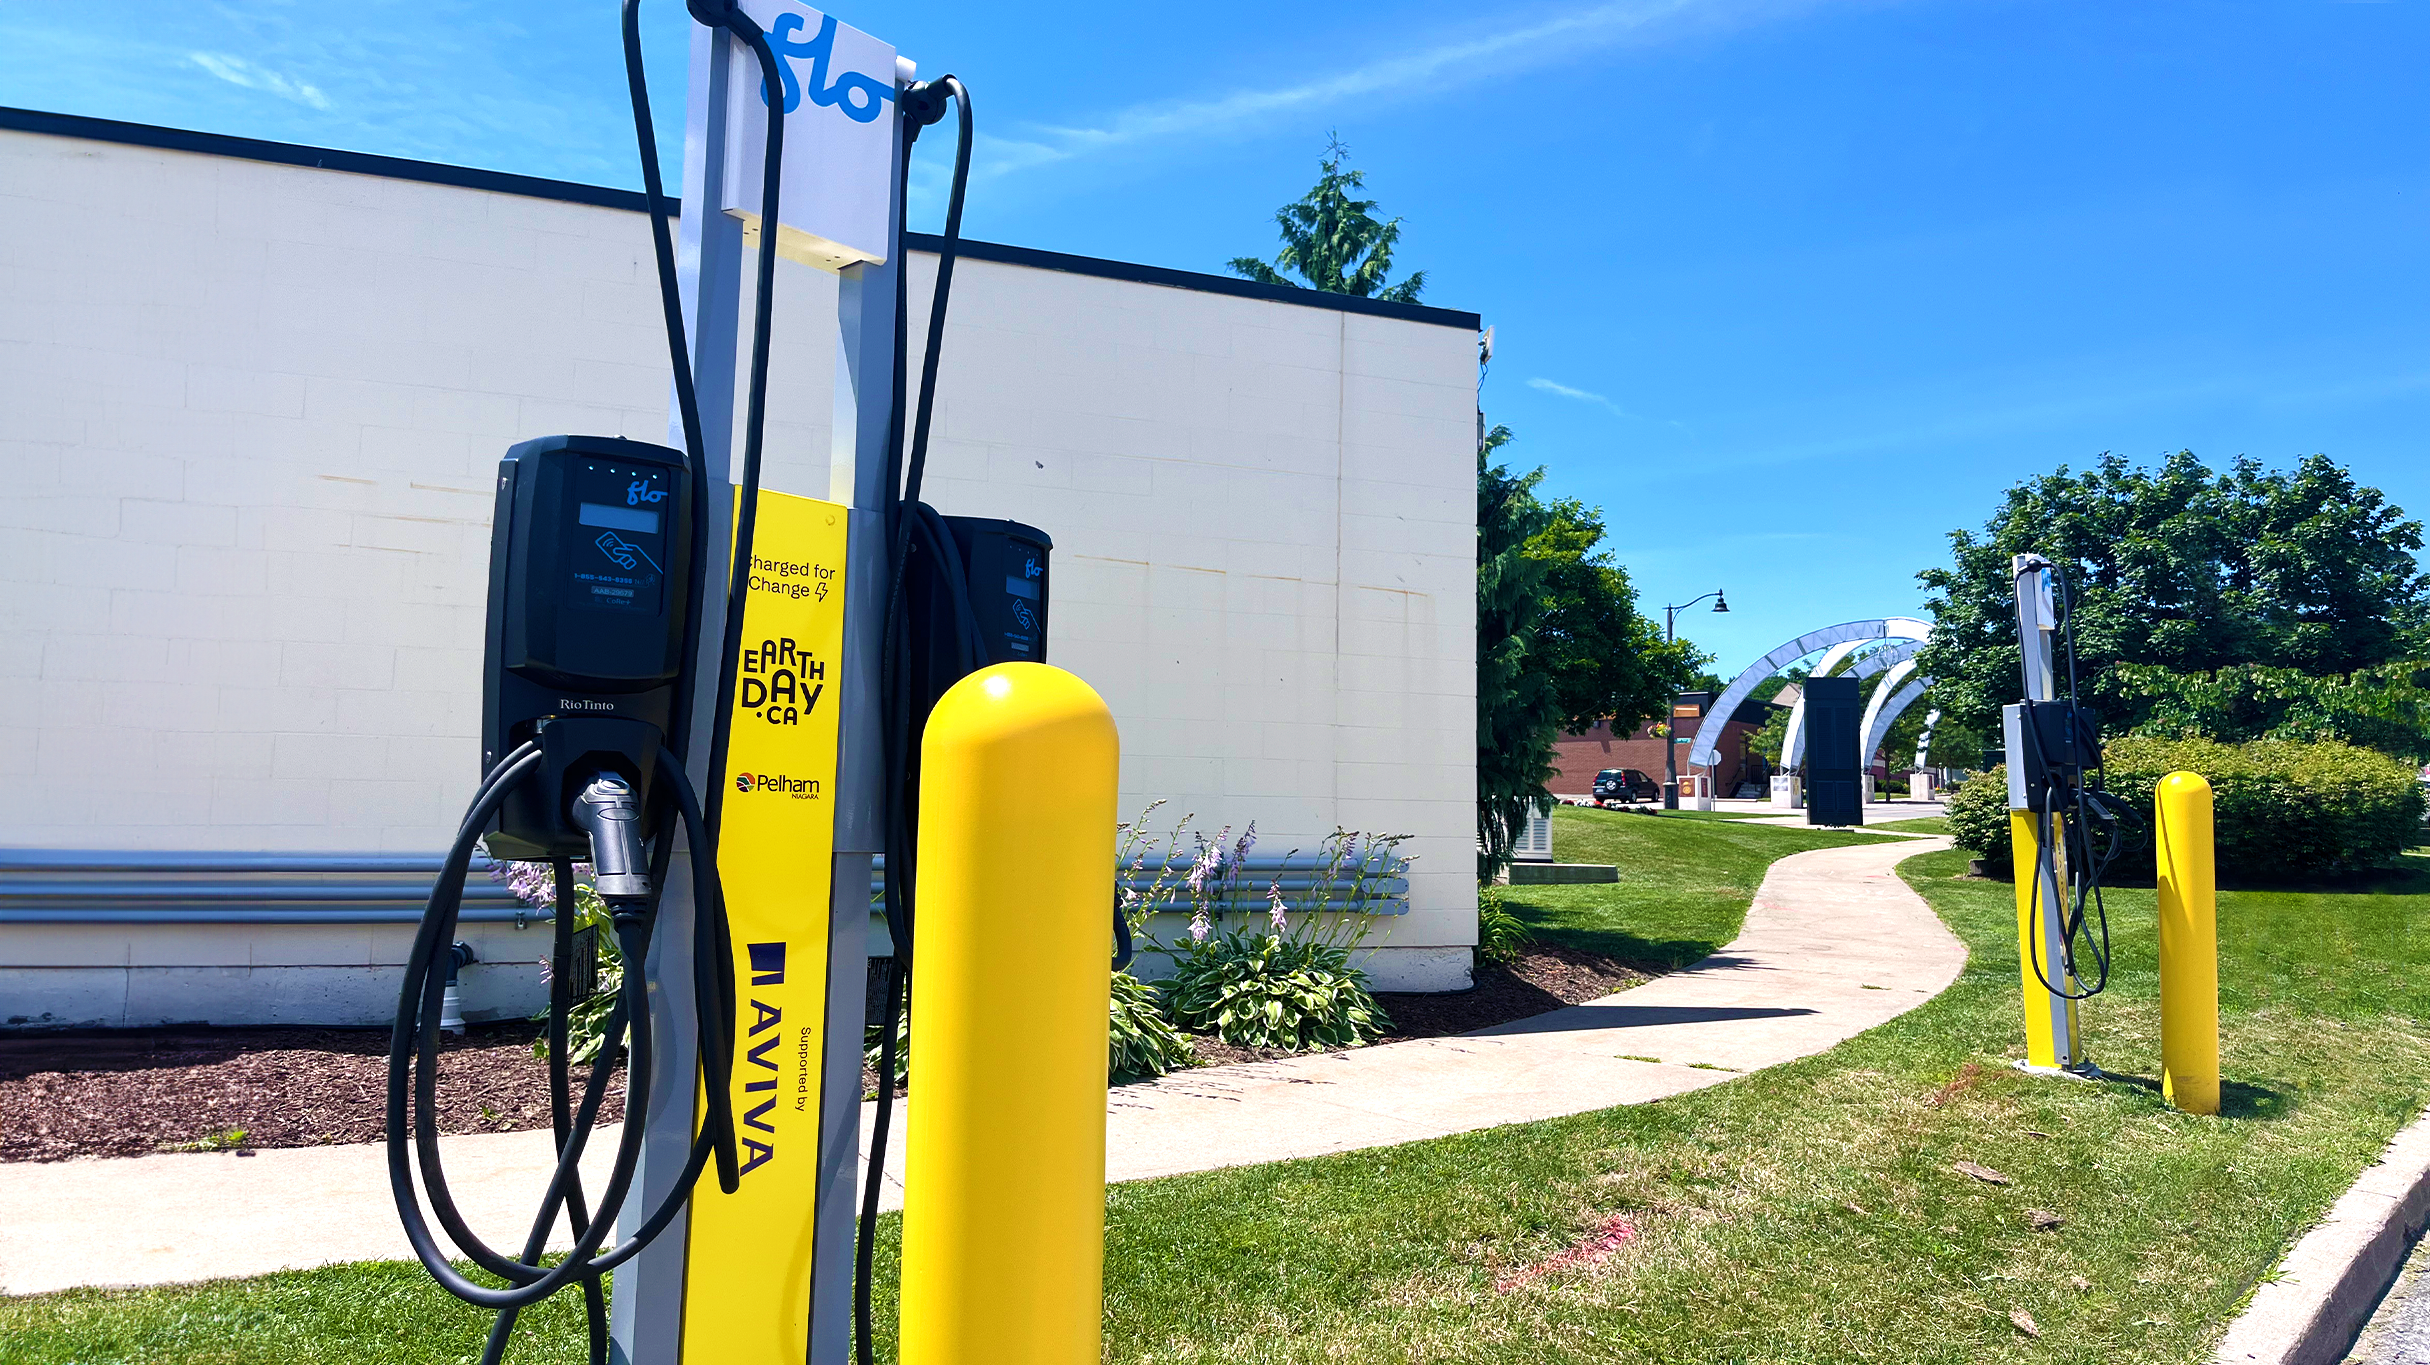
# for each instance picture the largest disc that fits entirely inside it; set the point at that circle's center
(843, 623)
(2063, 828)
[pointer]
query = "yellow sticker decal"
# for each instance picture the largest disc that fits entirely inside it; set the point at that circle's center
(747, 1295)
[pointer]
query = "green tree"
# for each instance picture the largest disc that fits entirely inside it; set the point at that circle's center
(2187, 571)
(1518, 706)
(1335, 242)
(1604, 658)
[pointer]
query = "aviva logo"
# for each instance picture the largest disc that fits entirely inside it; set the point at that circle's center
(859, 96)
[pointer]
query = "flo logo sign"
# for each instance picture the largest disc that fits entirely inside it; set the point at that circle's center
(859, 96)
(639, 493)
(836, 92)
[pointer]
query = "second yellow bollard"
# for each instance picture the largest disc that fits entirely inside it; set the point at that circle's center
(1004, 1177)
(2189, 945)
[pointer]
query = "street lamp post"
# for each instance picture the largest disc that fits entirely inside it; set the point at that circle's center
(1670, 747)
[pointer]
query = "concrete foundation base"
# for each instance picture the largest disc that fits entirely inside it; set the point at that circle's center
(140, 976)
(1568, 874)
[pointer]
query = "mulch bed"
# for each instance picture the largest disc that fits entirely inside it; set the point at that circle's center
(1545, 978)
(129, 1093)
(126, 1094)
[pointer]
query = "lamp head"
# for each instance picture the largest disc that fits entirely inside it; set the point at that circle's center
(1720, 603)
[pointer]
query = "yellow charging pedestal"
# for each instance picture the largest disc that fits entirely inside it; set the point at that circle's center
(2189, 945)
(1004, 1206)
(2053, 1039)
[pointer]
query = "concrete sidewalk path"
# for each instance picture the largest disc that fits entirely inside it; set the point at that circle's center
(1834, 944)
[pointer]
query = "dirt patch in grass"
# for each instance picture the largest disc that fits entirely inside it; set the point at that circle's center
(151, 1090)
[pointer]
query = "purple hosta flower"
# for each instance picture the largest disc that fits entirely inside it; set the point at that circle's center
(1276, 911)
(1240, 850)
(1199, 927)
(535, 884)
(1209, 865)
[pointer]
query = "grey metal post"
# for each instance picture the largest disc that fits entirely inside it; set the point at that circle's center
(856, 477)
(2035, 628)
(646, 1311)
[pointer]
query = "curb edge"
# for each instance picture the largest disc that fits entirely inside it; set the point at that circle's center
(2333, 1277)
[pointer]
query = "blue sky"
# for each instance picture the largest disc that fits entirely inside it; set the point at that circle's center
(1790, 289)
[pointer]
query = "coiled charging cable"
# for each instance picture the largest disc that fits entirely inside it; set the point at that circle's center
(413, 1053)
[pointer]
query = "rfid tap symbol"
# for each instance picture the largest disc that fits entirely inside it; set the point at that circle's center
(623, 553)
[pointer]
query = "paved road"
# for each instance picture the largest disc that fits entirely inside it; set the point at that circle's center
(1834, 944)
(2399, 1333)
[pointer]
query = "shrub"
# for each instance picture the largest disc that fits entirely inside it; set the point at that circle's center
(1500, 935)
(1978, 816)
(1255, 988)
(2281, 808)
(1139, 1039)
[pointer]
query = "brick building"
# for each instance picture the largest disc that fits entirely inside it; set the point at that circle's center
(1581, 754)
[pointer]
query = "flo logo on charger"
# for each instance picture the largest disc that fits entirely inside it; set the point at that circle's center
(639, 493)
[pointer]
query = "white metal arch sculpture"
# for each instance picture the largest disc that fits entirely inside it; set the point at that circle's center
(1793, 746)
(1890, 713)
(1875, 724)
(1708, 737)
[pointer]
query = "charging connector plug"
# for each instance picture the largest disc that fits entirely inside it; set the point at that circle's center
(609, 812)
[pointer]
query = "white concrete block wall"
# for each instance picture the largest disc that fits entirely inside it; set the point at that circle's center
(249, 414)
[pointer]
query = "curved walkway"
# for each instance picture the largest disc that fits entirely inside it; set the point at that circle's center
(1834, 944)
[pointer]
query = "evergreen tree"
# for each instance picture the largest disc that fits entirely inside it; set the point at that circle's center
(1335, 242)
(1518, 707)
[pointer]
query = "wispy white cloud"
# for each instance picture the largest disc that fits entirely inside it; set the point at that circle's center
(1441, 67)
(238, 71)
(1565, 391)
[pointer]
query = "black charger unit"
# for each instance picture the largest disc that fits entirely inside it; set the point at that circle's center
(589, 591)
(975, 592)
(2060, 740)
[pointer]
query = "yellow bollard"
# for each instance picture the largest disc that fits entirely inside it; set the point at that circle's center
(1004, 1181)
(2189, 945)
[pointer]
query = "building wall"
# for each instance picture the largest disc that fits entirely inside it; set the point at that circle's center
(251, 412)
(1580, 755)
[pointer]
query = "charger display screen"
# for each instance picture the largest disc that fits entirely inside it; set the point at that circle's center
(617, 518)
(616, 561)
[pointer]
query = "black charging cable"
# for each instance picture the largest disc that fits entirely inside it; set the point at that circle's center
(631, 894)
(912, 527)
(413, 1077)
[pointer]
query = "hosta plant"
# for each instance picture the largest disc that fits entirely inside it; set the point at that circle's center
(1252, 987)
(1140, 1041)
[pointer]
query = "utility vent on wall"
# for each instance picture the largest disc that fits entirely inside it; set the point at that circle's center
(1535, 842)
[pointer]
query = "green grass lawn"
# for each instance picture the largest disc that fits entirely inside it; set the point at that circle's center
(1685, 881)
(1808, 1213)
(1925, 824)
